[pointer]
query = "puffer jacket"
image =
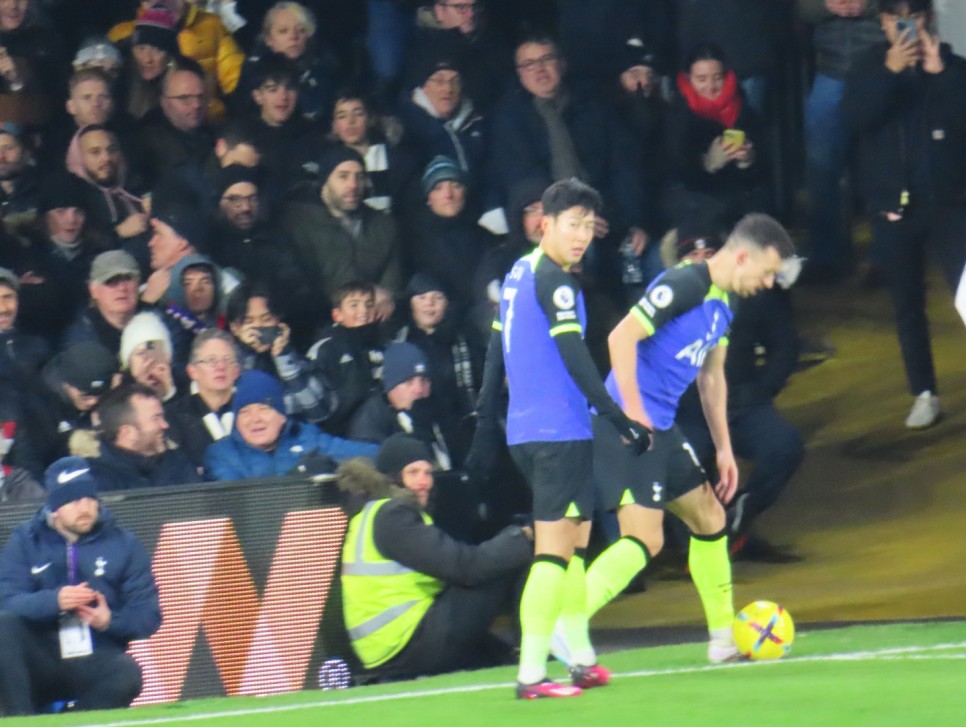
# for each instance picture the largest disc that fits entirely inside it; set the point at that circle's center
(33, 568)
(204, 38)
(232, 458)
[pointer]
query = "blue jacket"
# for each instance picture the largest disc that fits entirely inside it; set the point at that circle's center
(232, 458)
(34, 566)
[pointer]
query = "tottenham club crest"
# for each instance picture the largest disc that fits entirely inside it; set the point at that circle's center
(662, 296)
(563, 297)
(99, 566)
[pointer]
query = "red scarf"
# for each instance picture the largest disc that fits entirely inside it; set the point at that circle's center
(724, 109)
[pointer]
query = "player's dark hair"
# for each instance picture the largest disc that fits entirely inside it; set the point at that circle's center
(347, 289)
(914, 6)
(115, 408)
(762, 231)
(561, 196)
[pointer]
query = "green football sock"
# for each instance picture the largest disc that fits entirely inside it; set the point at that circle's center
(573, 612)
(539, 608)
(711, 573)
(612, 570)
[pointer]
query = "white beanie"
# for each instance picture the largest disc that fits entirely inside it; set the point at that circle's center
(142, 328)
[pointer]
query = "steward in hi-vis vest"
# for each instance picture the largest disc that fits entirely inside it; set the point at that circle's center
(416, 601)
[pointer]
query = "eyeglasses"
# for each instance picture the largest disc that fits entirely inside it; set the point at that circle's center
(187, 98)
(531, 64)
(212, 362)
(461, 7)
(237, 200)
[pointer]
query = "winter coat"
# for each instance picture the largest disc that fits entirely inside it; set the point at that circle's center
(839, 41)
(911, 128)
(34, 566)
(607, 153)
(333, 256)
(204, 38)
(232, 458)
(117, 469)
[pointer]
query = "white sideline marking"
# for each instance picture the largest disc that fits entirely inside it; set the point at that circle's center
(891, 653)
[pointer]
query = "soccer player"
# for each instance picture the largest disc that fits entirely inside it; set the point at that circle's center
(675, 334)
(552, 382)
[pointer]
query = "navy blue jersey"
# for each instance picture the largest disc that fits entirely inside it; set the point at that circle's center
(539, 301)
(685, 316)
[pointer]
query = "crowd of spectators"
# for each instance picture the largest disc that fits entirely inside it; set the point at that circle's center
(250, 239)
(193, 192)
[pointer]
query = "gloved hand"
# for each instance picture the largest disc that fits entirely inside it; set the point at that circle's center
(314, 462)
(635, 436)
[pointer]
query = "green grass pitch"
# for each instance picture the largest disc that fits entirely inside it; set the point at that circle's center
(905, 674)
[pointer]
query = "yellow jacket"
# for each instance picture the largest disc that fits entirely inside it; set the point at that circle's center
(204, 39)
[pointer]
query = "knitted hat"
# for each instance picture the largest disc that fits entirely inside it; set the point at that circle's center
(634, 53)
(10, 279)
(423, 283)
(156, 26)
(187, 222)
(697, 234)
(427, 63)
(143, 328)
(401, 362)
(8, 127)
(335, 155)
(86, 366)
(233, 174)
(61, 190)
(399, 451)
(68, 479)
(441, 169)
(97, 49)
(111, 264)
(257, 387)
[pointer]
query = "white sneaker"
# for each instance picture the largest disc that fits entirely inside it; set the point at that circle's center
(721, 647)
(559, 649)
(925, 411)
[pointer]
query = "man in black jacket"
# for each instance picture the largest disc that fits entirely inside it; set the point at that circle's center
(456, 589)
(135, 451)
(905, 102)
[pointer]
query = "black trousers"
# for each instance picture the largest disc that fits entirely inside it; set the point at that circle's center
(455, 632)
(904, 247)
(32, 673)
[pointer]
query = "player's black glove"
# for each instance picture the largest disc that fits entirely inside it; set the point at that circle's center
(636, 436)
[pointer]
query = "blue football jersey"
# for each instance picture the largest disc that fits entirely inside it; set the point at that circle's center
(538, 301)
(685, 316)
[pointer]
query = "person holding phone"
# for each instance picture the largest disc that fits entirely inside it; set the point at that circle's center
(715, 163)
(904, 102)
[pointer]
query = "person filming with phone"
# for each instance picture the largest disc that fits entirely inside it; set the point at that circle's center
(715, 142)
(904, 102)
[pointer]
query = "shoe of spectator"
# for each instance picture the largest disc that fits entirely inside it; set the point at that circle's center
(546, 688)
(588, 677)
(559, 648)
(925, 411)
(721, 647)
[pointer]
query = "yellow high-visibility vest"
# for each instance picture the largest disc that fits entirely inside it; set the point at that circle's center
(383, 601)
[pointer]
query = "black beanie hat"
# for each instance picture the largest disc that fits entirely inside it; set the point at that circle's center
(333, 156)
(399, 451)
